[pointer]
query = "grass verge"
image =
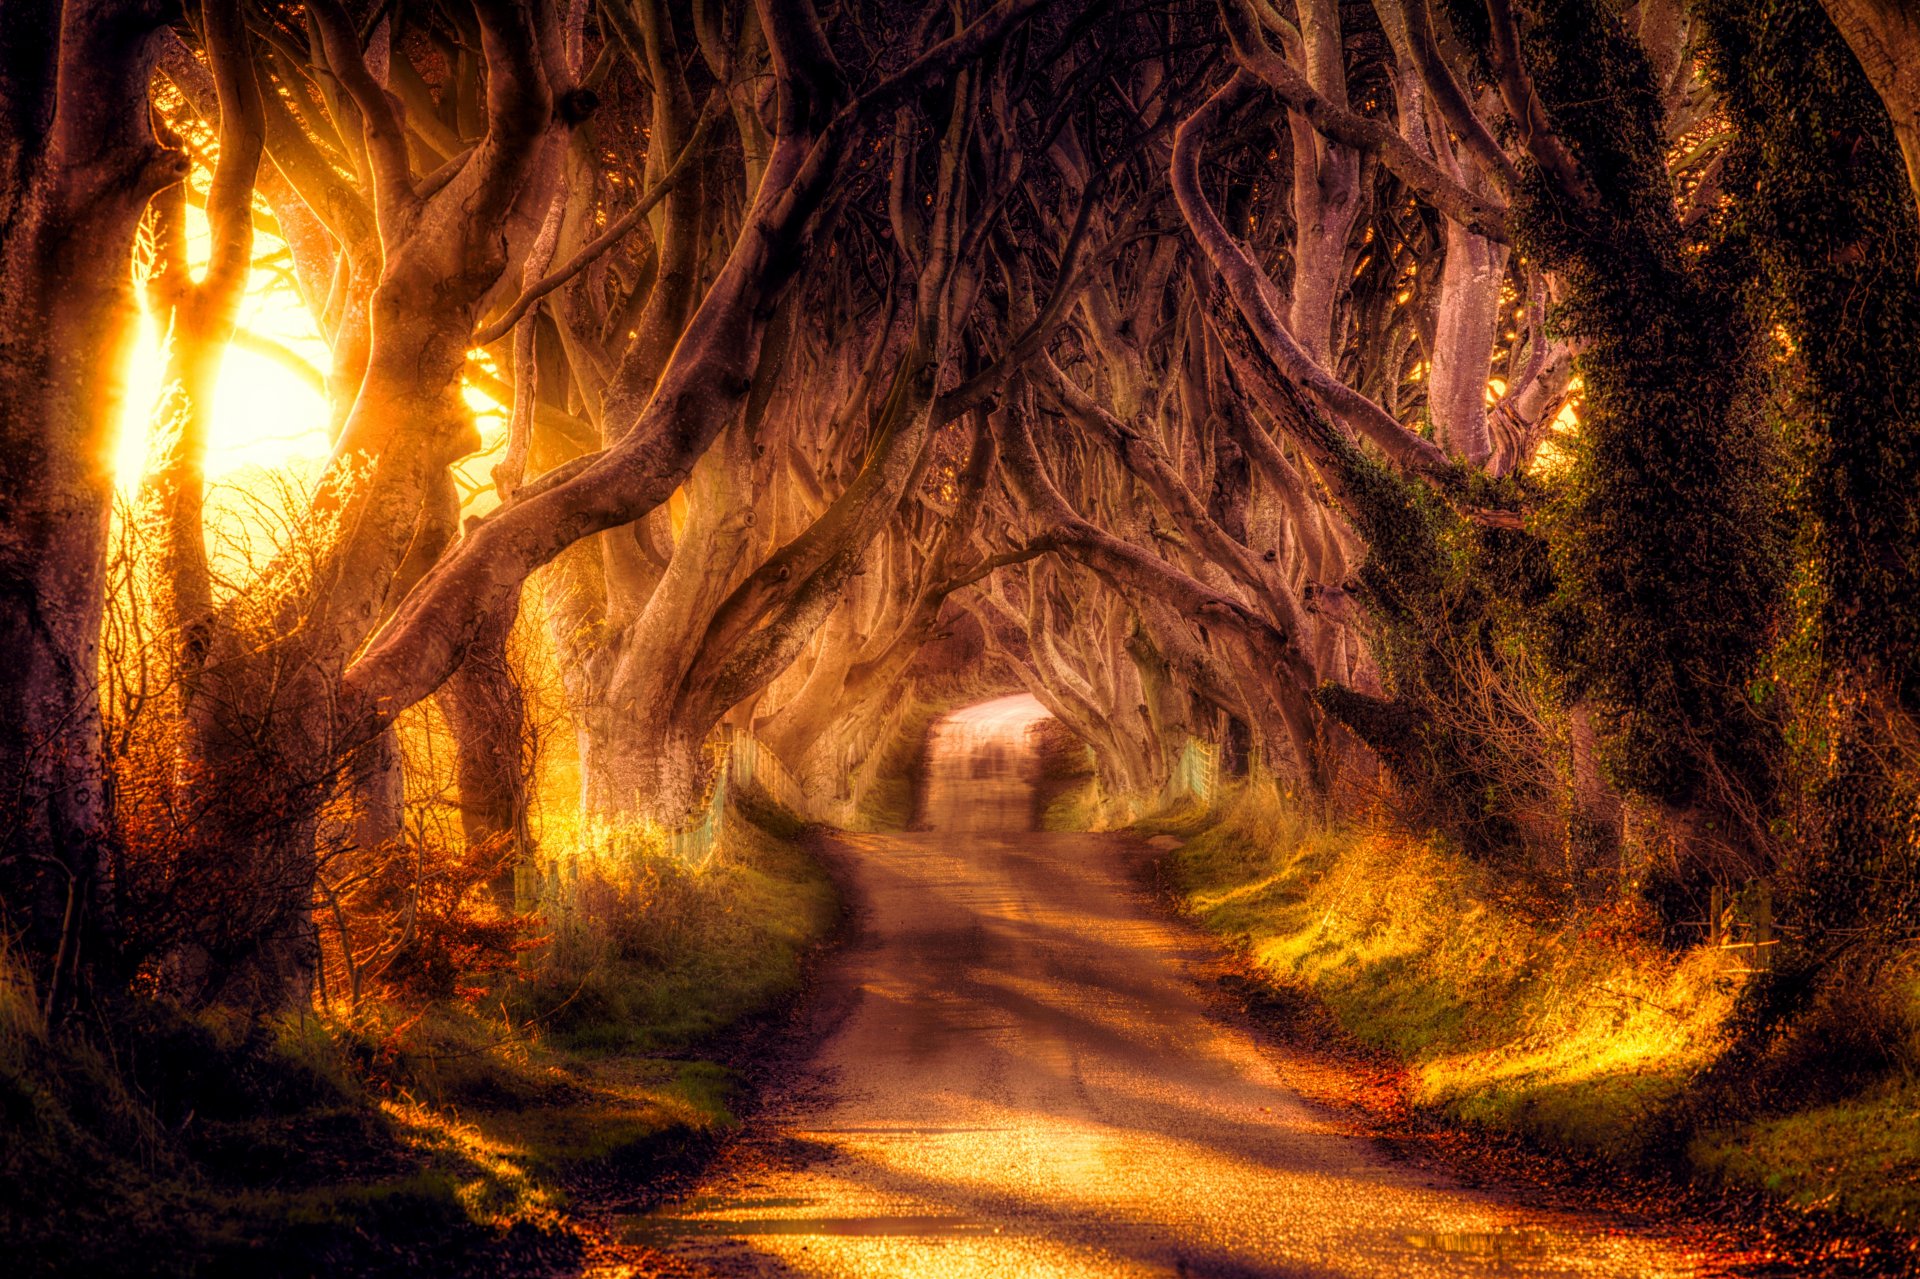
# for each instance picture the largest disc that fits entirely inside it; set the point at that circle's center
(444, 1139)
(1578, 1031)
(1064, 794)
(891, 799)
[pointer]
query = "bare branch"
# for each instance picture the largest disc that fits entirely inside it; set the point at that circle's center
(1481, 216)
(1523, 101)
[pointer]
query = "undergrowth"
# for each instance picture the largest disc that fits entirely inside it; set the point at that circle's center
(1577, 1028)
(890, 800)
(1064, 794)
(390, 1140)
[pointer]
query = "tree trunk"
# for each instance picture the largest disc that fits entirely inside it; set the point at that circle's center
(1463, 343)
(1326, 191)
(1595, 814)
(1885, 36)
(78, 163)
(640, 766)
(793, 729)
(487, 713)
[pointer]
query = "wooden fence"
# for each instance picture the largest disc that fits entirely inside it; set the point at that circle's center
(1740, 923)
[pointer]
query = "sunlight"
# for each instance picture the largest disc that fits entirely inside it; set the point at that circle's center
(269, 413)
(265, 413)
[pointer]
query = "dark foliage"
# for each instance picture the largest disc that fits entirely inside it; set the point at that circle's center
(1667, 538)
(1819, 190)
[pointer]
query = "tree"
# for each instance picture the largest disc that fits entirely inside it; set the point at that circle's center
(78, 163)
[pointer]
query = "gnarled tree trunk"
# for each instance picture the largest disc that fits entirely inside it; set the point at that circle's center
(78, 163)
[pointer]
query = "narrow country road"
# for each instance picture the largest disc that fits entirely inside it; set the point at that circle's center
(1029, 1081)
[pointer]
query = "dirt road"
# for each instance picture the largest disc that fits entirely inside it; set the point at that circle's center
(1029, 1080)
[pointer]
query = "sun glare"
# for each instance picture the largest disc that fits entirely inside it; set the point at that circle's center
(265, 412)
(270, 413)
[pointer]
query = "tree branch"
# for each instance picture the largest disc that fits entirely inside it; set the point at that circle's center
(1483, 217)
(1523, 101)
(1258, 302)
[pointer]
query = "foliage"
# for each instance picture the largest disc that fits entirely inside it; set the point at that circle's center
(1063, 791)
(1819, 189)
(1860, 1155)
(160, 1143)
(647, 953)
(155, 1142)
(1667, 535)
(1464, 725)
(413, 922)
(891, 797)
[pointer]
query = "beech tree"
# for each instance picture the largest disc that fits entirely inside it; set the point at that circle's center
(79, 163)
(287, 687)
(1442, 398)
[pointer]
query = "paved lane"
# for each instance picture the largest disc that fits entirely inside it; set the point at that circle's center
(1030, 1081)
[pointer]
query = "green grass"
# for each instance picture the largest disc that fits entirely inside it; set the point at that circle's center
(891, 796)
(695, 951)
(1065, 792)
(1860, 1156)
(1574, 1030)
(1070, 798)
(1077, 803)
(390, 1140)
(175, 1145)
(1070, 809)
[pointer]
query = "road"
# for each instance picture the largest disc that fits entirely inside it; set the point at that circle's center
(1031, 1079)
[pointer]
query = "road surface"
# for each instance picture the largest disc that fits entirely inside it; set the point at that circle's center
(1031, 1080)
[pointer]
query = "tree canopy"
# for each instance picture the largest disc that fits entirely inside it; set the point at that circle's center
(1503, 411)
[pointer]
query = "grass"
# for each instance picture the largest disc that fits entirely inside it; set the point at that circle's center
(1578, 1031)
(444, 1138)
(1070, 798)
(658, 956)
(1068, 794)
(172, 1145)
(890, 800)
(1860, 1156)
(1064, 790)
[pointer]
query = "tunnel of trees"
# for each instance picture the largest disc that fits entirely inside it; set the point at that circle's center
(1497, 418)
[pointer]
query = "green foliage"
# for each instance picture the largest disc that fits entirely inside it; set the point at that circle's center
(1444, 634)
(654, 955)
(405, 1137)
(892, 791)
(1819, 190)
(1860, 1155)
(1667, 537)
